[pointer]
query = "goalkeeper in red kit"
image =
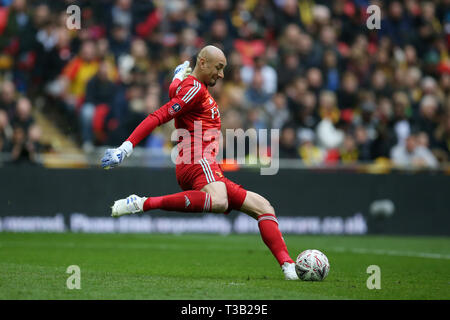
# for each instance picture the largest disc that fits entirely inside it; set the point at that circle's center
(206, 189)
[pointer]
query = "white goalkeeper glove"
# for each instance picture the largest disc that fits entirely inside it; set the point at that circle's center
(114, 157)
(182, 71)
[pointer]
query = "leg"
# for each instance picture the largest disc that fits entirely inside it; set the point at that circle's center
(219, 198)
(260, 209)
(186, 201)
(211, 198)
(202, 194)
(203, 191)
(255, 205)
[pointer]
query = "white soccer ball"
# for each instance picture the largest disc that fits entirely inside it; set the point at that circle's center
(312, 265)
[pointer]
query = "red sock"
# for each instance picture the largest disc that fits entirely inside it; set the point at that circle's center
(271, 235)
(187, 201)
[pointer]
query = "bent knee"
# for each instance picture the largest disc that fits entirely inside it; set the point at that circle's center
(256, 205)
(264, 208)
(219, 204)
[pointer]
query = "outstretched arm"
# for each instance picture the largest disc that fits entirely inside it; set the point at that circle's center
(164, 114)
(179, 104)
(114, 157)
(157, 118)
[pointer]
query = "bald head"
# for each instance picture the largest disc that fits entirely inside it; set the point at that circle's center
(211, 53)
(210, 64)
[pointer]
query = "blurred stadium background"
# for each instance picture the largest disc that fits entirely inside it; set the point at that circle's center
(364, 115)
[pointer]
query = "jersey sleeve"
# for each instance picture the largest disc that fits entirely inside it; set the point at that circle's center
(186, 97)
(173, 87)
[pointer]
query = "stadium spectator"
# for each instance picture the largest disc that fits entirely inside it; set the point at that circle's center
(22, 115)
(288, 144)
(348, 152)
(75, 75)
(309, 51)
(120, 41)
(402, 110)
(122, 15)
(330, 71)
(347, 94)
(363, 143)
(255, 95)
(309, 152)
(306, 113)
(315, 80)
(5, 132)
(328, 135)
(366, 119)
(289, 39)
(18, 41)
(99, 94)
(379, 84)
(54, 58)
(288, 13)
(428, 119)
(26, 134)
(20, 150)
(442, 139)
(8, 98)
(429, 25)
(213, 10)
(220, 36)
(412, 153)
(397, 24)
(233, 91)
(268, 75)
(289, 69)
(412, 84)
(277, 110)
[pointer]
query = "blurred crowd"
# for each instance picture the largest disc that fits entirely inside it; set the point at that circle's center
(338, 91)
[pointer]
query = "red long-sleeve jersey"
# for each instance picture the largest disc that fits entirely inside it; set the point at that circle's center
(194, 110)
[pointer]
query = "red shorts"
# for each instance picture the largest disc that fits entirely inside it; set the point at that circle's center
(197, 175)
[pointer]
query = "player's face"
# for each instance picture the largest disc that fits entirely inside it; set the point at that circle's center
(216, 71)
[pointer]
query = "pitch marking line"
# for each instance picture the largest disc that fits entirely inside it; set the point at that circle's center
(393, 253)
(212, 247)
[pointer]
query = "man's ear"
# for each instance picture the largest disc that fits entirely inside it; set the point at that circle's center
(203, 63)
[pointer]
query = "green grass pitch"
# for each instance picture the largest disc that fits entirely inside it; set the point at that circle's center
(194, 266)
